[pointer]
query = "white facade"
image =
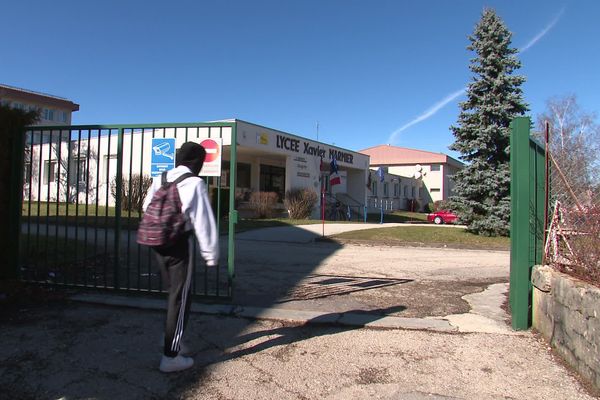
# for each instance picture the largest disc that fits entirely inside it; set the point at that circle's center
(396, 192)
(435, 178)
(432, 171)
(301, 158)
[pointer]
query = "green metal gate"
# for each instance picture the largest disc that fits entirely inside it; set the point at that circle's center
(82, 192)
(528, 218)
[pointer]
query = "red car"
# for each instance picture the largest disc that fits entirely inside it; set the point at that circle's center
(442, 217)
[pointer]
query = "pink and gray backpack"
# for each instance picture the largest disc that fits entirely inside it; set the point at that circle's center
(164, 221)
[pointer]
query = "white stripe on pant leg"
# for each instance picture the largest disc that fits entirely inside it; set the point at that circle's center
(181, 319)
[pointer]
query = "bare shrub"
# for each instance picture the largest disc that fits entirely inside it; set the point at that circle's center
(441, 205)
(300, 202)
(133, 191)
(574, 231)
(263, 203)
(576, 251)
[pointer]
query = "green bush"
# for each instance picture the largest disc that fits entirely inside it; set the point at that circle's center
(263, 203)
(300, 202)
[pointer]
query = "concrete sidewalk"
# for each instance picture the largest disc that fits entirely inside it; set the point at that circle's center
(312, 232)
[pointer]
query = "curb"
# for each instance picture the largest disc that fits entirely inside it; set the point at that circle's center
(280, 314)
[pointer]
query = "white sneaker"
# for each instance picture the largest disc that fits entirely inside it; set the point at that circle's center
(174, 364)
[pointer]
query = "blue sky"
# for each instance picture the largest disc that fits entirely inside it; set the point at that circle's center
(370, 72)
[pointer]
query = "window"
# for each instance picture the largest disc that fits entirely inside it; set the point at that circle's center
(385, 189)
(435, 167)
(49, 172)
(374, 188)
(51, 115)
(405, 191)
(242, 178)
(413, 192)
(396, 189)
(243, 175)
(64, 116)
(46, 113)
(272, 179)
(435, 190)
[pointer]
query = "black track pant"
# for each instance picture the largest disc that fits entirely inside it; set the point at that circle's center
(176, 270)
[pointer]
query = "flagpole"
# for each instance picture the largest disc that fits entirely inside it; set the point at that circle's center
(323, 205)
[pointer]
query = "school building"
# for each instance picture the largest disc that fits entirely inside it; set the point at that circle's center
(82, 163)
(429, 174)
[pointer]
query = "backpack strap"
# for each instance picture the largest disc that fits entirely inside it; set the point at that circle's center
(184, 176)
(163, 178)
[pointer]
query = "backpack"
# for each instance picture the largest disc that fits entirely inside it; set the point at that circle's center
(163, 222)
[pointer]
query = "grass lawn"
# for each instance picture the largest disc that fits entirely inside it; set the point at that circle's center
(398, 216)
(428, 236)
(43, 209)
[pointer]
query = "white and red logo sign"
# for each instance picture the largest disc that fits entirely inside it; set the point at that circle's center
(212, 162)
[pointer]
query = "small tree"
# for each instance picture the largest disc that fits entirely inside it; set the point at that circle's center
(494, 98)
(133, 192)
(574, 144)
(300, 202)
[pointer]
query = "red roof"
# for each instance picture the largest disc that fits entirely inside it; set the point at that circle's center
(386, 154)
(37, 97)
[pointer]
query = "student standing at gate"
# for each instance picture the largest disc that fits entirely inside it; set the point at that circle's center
(175, 261)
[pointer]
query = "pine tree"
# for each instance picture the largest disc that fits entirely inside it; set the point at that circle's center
(494, 98)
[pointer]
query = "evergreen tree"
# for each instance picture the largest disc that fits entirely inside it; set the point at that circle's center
(12, 128)
(494, 98)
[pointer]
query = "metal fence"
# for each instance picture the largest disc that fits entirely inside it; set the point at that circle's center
(82, 193)
(573, 244)
(528, 216)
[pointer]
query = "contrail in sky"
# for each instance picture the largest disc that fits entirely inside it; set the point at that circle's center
(430, 112)
(543, 32)
(439, 105)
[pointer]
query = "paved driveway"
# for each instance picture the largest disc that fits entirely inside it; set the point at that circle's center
(75, 350)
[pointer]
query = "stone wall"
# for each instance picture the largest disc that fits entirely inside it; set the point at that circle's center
(566, 311)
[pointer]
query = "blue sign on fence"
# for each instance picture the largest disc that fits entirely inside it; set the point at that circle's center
(163, 155)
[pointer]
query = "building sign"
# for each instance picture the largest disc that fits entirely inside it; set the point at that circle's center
(303, 147)
(212, 162)
(163, 155)
(262, 138)
(301, 167)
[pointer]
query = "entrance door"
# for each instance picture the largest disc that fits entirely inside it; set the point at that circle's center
(272, 179)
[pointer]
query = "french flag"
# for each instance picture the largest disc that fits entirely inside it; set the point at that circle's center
(334, 179)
